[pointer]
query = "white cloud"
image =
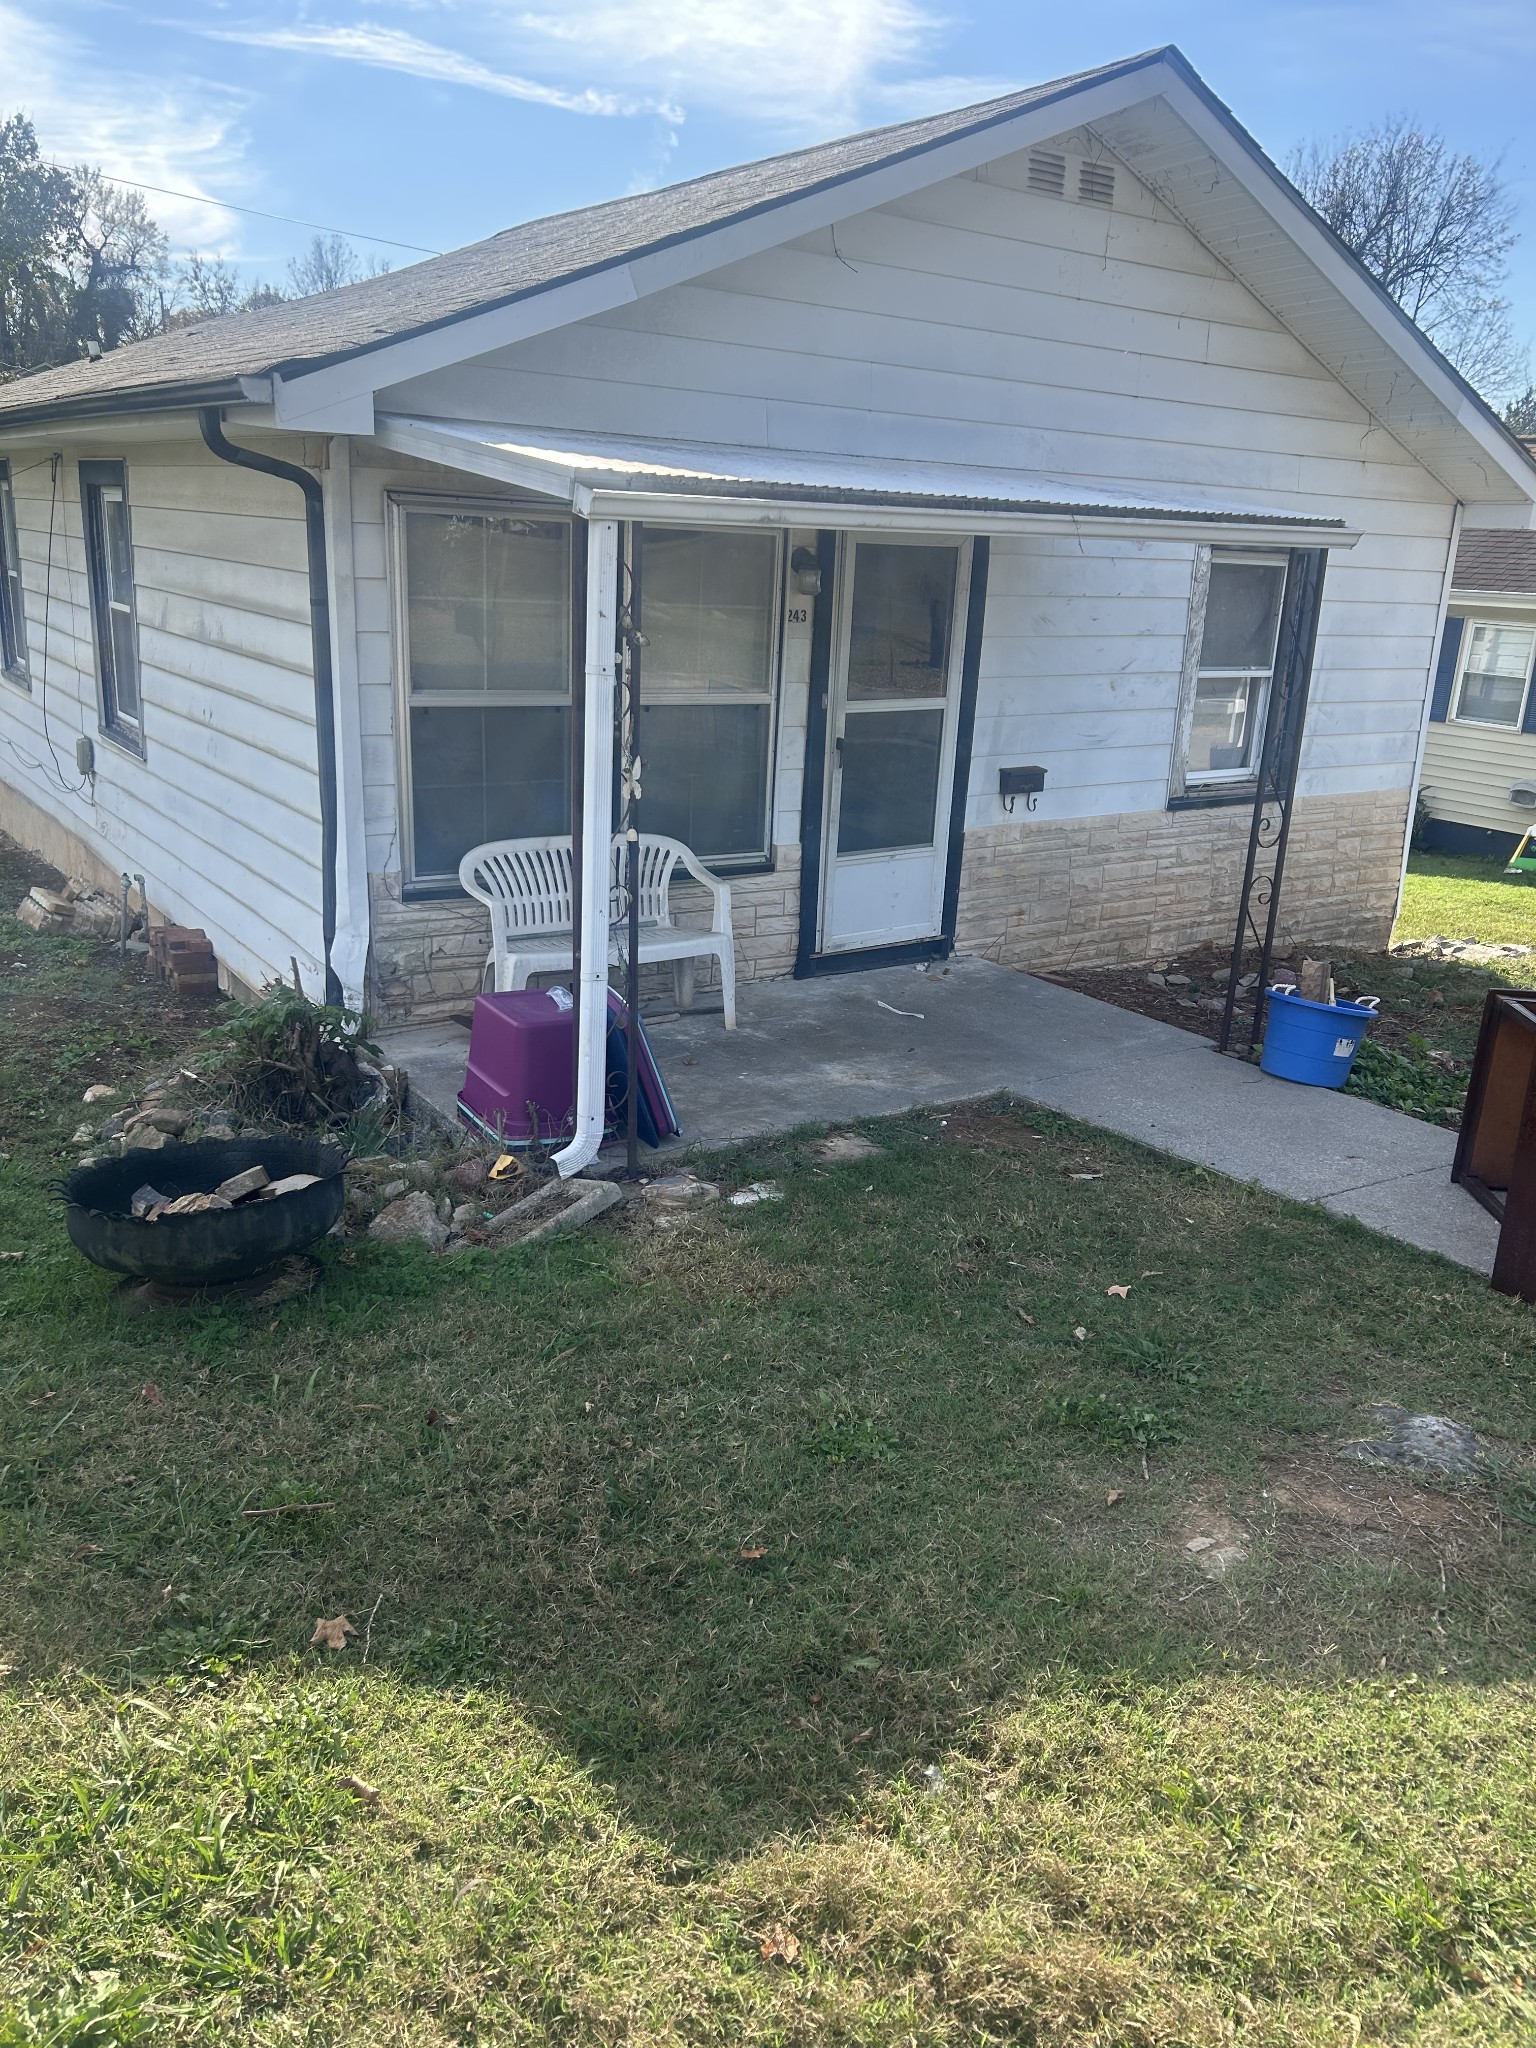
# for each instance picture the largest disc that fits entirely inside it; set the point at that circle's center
(183, 134)
(390, 49)
(807, 67)
(803, 64)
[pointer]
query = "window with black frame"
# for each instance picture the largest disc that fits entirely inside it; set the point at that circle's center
(1228, 691)
(488, 682)
(13, 616)
(109, 564)
(485, 618)
(709, 608)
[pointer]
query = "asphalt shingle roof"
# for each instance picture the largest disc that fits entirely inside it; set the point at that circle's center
(206, 359)
(1495, 561)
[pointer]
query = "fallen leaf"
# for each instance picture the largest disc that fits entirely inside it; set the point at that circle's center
(751, 1556)
(779, 1946)
(12, 1255)
(369, 1408)
(150, 1392)
(361, 1790)
(1087, 1176)
(41, 1400)
(332, 1633)
(1024, 1318)
(438, 1420)
(1153, 1273)
(1198, 1543)
(1122, 1292)
(87, 1550)
(1115, 1493)
(1079, 1333)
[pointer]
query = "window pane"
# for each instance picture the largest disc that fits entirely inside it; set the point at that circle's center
(1221, 731)
(903, 612)
(492, 774)
(114, 525)
(1498, 663)
(890, 779)
(1242, 615)
(705, 774)
(13, 638)
(707, 607)
(125, 664)
(488, 602)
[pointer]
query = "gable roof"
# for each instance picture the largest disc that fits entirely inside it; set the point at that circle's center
(529, 258)
(313, 358)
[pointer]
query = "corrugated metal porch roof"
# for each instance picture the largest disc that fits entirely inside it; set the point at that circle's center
(617, 474)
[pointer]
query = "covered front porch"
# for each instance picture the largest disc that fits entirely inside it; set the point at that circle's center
(835, 1049)
(788, 663)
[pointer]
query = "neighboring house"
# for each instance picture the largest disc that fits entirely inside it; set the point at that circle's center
(981, 442)
(1478, 783)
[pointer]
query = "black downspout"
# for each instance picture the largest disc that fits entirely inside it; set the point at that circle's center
(211, 419)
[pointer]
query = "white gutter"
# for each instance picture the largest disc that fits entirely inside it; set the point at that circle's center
(593, 851)
(1429, 698)
(349, 947)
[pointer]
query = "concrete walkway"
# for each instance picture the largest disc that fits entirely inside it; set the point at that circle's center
(840, 1047)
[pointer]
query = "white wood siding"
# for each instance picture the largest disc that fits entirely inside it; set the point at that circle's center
(977, 322)
(221, 815)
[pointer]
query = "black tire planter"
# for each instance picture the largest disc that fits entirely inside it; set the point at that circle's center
(219, 1244)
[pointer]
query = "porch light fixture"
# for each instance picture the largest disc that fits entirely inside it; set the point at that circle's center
(806, 570)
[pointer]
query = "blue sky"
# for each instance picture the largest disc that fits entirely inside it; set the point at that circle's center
(437, 121)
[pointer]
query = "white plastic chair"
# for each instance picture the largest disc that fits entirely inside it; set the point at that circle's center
(526, 884)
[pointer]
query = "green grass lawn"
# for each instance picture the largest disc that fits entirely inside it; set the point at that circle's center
(813, 1575)
(1458, 896)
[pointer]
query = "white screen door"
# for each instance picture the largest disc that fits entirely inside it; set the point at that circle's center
(891, 713)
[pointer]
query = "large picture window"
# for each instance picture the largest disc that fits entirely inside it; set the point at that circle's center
(487, 621)
(709, 608)
(13, 617)
(109, 563)
(1495, 674)
(1227, 685)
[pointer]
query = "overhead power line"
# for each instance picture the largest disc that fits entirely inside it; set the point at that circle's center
(229, 206)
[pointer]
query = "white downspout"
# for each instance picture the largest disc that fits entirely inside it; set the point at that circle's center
(349, 949)
(1429, 697)
(594, 852)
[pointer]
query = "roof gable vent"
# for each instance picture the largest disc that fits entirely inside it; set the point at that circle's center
(1048, 173)
(1096, 184)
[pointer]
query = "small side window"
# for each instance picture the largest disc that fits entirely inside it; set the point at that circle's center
(109, 560)
(13, 617)
(1230, 665)
(1495, 675)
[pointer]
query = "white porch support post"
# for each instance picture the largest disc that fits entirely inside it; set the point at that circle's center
(349, 951)
(594, 851)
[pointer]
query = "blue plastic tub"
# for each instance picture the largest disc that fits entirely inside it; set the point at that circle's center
(1314, 1043)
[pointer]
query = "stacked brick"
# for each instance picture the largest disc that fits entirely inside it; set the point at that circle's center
(183, 955)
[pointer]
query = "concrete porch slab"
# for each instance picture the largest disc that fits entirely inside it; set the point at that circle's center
(873, 1044)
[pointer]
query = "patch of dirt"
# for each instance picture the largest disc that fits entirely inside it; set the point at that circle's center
(1424, 1000)
(990, 1126)
(1318, 1506)
(21, 870)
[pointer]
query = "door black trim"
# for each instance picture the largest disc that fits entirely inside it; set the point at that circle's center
(808, 961)
(813, 780)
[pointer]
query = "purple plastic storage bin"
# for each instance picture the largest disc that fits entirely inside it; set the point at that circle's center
(519, 1053)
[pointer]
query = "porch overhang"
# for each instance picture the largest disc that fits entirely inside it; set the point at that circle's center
(615, 476)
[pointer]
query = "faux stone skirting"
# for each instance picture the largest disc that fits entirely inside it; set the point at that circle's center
(1085, 892)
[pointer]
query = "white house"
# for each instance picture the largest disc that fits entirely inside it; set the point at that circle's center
(1478, 786)
(977, 443)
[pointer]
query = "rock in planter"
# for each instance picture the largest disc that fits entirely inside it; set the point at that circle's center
(412, 1220)
(1431, 1444)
